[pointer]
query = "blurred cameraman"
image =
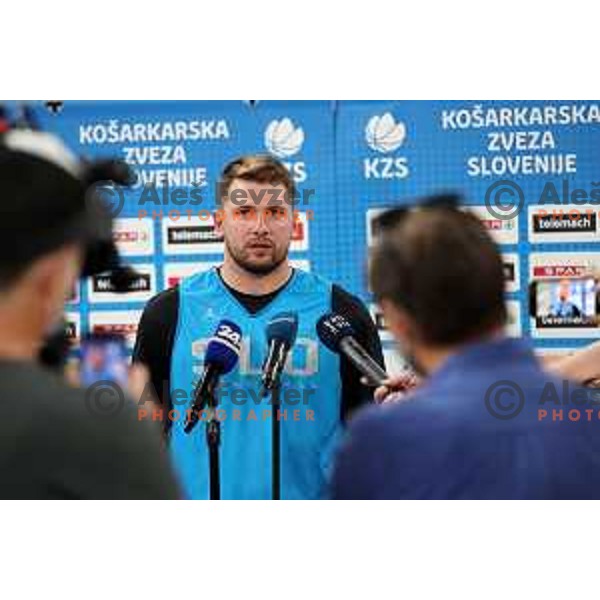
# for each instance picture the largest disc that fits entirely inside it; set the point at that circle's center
(51, 443)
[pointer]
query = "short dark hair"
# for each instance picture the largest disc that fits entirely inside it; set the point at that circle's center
(441, 266)
(42, 210)
(260, 168)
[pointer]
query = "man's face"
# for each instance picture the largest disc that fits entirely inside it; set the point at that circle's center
(69, 264)
(257, 227)
(42, 291)
(564, 290)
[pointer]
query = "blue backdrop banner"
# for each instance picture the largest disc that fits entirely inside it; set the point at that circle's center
(530, 170)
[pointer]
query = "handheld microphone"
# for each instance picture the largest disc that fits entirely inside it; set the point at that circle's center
(281, 335)
(338, 335)
(222, 354)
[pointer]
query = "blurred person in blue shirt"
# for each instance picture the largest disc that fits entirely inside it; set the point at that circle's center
(475, 425)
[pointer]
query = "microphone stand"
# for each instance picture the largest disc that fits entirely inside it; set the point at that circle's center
(213, 440)
(213, 435)
(276, 443)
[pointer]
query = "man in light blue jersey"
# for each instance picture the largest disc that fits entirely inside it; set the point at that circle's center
(253, 284)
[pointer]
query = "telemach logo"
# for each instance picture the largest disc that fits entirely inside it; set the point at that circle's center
(551, 223)
(195, 234)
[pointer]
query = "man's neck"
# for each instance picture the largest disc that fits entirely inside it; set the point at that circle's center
(432, 358)
(250, 283)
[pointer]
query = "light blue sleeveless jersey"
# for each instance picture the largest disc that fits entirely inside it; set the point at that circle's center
(310, 395)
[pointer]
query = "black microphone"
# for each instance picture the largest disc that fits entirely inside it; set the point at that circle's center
(281, 335)
(222, 354)
(338, 335)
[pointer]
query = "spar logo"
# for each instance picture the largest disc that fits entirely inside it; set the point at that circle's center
(284, 140)
(385, 135)
(560, 271)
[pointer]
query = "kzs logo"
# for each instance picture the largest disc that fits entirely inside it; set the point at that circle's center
(384, 135)
(283, 139)
(231, 335)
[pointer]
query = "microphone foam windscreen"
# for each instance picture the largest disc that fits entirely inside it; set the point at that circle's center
(223, 349)
(332, 329)
(284, 327)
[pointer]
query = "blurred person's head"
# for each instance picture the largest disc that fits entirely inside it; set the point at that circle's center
(438, 277)
(564, 290)
(256, 216)
(43, 225)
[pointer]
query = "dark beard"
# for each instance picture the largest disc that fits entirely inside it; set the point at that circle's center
(258, 270)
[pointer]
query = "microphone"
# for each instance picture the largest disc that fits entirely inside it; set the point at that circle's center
(281, 335)
(338, 335)
(222, 354)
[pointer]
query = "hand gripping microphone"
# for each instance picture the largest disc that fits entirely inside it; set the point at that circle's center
(337, 334)
(281, 335)
(221, 356)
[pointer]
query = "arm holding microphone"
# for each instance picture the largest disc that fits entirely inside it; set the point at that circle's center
(338, 335)
(355, 393)
(582, 365)
(396, 387)
(336, 332)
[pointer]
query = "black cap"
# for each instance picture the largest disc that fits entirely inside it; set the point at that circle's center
(43, 196)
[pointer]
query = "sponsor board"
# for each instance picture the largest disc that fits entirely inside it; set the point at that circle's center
(116, 322)
(566, 223)
(503, 231)
(512, 274)
(101, 288)
(300, 233)
(565, 304)
(513, 320)
(73, 327)
(190, 236)
(133, 236)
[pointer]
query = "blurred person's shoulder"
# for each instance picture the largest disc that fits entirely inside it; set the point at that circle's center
(380, 422)
(163, 303)
(158, 321)
(58, 441)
